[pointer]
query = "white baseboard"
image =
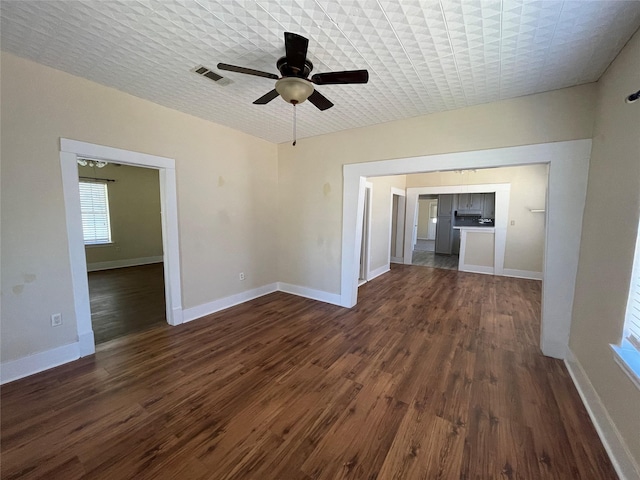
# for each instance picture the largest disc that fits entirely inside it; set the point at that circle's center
(129, 262)
(23, 367)
(38, 362)
(332, 298)
(397, 260)
(614, 444)
(512, 272)
(378, 271)
(476, 269)
(192, 313)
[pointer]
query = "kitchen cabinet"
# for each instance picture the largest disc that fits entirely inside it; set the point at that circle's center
(455, 247)
(470, 202)
(489, 206)
(444, 235)
(445, 205)
(444, 227)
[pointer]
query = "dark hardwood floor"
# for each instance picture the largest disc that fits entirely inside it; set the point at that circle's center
(435, 374)
(126, 300)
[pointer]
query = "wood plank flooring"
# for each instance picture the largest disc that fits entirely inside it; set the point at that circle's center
(432, 259)
(126, 300)
(435, 374)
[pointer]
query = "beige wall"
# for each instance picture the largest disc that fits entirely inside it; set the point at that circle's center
(381, 218)
(608, 240)
(525, 238)
(134, 211)
(310, 174)
(423, 218)
(226, 182)
(480, 249)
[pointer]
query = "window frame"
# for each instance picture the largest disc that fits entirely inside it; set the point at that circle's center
(626, 354)
(96, 241)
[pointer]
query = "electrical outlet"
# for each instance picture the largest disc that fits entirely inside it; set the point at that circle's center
(56, 319)
(241, 276)
(513, 222)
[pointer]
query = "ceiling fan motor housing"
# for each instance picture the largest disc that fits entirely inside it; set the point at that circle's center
(287, 70)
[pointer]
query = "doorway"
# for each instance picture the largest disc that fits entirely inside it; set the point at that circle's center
(425, 223)
(122, 229)
(568, 171)
(70, 151)
(430, 232)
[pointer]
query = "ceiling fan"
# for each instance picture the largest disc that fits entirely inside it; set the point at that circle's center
(295, 86)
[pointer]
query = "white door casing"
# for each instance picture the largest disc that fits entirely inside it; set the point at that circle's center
(433, 215)
(400, 220)
(70, 150)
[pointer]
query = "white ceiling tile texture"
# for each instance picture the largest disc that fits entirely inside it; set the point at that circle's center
(423, 56)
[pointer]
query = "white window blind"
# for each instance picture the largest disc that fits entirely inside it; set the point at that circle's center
(632, 322)
(628, 352)
(94, 204)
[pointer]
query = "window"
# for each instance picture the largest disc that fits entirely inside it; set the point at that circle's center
(94, 204)
(628, 352)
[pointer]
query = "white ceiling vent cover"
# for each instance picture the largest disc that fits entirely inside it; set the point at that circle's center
(211, 75)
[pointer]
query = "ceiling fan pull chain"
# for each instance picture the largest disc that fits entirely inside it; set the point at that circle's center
(294, 125)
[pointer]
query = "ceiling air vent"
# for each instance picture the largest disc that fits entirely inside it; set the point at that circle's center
(205, 72)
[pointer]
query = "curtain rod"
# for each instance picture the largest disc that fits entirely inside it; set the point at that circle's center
(94, 178)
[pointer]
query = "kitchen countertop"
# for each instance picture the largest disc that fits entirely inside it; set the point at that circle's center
(477, 229)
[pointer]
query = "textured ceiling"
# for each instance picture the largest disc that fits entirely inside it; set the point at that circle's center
(422, 56)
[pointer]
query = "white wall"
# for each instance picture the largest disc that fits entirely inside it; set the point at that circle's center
(609, 231)
(423, 218)
(226, 183)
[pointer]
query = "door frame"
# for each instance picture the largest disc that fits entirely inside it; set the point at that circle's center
(365, 244)
(70, 150)
(400, 222)
(432, 203)
(568, 171)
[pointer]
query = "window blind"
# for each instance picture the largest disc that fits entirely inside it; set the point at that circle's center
(94, 204)
(632, 322)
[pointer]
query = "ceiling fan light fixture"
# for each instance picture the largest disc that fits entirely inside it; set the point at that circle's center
(294, 90)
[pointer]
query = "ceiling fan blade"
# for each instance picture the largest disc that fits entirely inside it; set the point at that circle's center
(320, 100)
(266, 98)
(296, 48)
(248, 71)
(335, 78)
